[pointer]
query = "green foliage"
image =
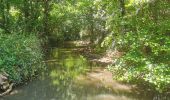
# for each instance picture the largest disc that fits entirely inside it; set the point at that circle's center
(20, 56)
(140, 29)
(65, 21)
(143, 35)
(107, 41)
(69, 18)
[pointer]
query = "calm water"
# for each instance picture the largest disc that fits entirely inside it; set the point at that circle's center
(58, 82)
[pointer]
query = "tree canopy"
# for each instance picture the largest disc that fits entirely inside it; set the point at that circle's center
(139, 29)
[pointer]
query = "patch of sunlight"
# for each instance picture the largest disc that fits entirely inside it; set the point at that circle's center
(109, 97)
(81, 43)
(136, 2)
(53, 74)
(69, 62)
(56, 82)
(55, 53)
(84, 32)
(72, 9)
(97, 2)
(107, 41)
(14, 12)
(76, 63)
(82, 58)
(55, 12)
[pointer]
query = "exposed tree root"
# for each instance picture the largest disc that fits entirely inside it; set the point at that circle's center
(7, 91)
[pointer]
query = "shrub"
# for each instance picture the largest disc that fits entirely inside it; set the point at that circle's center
(146, 44)
(20, 56)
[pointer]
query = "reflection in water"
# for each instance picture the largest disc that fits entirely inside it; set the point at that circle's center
(56, 82)
(59, 82)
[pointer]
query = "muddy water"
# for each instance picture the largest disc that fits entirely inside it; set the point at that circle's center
(68, 77)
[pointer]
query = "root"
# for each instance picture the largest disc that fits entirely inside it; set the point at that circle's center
(7, 91)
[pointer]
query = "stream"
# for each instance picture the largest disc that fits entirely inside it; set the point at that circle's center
(71, 76)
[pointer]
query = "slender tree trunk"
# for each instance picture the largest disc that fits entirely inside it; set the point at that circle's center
(91, 26)
(46, 17)
(122, 7)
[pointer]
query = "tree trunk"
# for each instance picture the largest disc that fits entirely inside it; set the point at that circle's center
(46, 17)
(122, 7)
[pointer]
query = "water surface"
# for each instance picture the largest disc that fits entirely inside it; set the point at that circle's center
(68, 77)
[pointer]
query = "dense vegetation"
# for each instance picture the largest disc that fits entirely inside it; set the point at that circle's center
(142, 34)
(139, 29)
(20, 56)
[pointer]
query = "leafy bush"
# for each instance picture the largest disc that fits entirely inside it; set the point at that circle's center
(146, 44)
(20, 56)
